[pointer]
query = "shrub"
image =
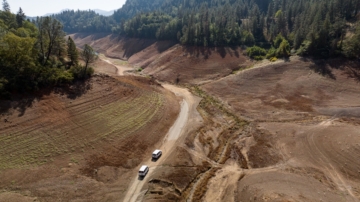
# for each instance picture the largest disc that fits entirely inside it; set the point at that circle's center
(304, 48)
(351, 46)
(78, 72)
(273, 59)
(256, 52)
(271, 53)
(284, 49)
(277, 41)
(247, 38)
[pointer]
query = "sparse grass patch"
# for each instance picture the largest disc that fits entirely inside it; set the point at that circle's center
(73, 160)
(116, 118)
(208, 102)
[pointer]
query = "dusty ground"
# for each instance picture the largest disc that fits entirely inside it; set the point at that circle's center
(121, 67)
(69, 144)
(303, 140)
(284, 131)
(122, 48)
(167, 61)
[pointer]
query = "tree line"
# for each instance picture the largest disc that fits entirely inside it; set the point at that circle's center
(84, 21)
(36, 54)
(308, 27)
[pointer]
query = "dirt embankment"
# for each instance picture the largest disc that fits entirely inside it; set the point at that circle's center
(114, 46)
(302, 143)
(168, 61)
(75, 140)
(300, 140)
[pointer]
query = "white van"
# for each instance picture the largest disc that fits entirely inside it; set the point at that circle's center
(156, 154)
(143, 171)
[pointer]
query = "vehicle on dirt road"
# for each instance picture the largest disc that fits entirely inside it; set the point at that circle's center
(156, 154)
(143, 171)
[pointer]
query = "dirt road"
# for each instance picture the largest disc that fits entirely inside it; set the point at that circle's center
(134, 192)
(187, 115)
(120, 68)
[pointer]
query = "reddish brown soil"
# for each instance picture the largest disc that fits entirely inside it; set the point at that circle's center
(70, 144)
(285, 131)
(105, 68)
(305, 147)
(118, 47)
(194, 65)
(300, 141)
(290, 90)
(169, 62)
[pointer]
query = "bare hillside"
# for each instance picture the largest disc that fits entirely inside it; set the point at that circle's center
(73, 140)
(167, 61)
(283, 131)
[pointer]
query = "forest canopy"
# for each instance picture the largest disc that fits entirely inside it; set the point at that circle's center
(310, 27)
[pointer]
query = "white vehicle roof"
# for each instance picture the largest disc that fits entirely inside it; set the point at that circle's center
(142, 169)
(156, 151)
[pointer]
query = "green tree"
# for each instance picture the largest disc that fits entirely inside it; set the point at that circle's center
(277, 41)
(20, 17)
(256, 52)
(51, 37)
(9, 19)
(18, 51)
(351, 47)
(72, 52)
(6, 6)
(284, 49)
(89, 56)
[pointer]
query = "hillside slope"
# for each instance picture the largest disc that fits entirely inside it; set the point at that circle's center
(166, 60)
(283, 131)
(75, 138)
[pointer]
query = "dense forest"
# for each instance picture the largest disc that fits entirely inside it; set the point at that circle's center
(36, 54)
(307, 27)
(84, 21)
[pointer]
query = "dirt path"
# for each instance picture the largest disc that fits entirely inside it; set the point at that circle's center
(120, 68)
(134, 191)
(187, 115)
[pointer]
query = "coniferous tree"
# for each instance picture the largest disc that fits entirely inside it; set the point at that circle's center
(72, 52)
(20, 17)
(316, 27)
(6, 6)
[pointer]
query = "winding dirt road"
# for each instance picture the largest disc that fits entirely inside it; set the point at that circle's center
(187, 116)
